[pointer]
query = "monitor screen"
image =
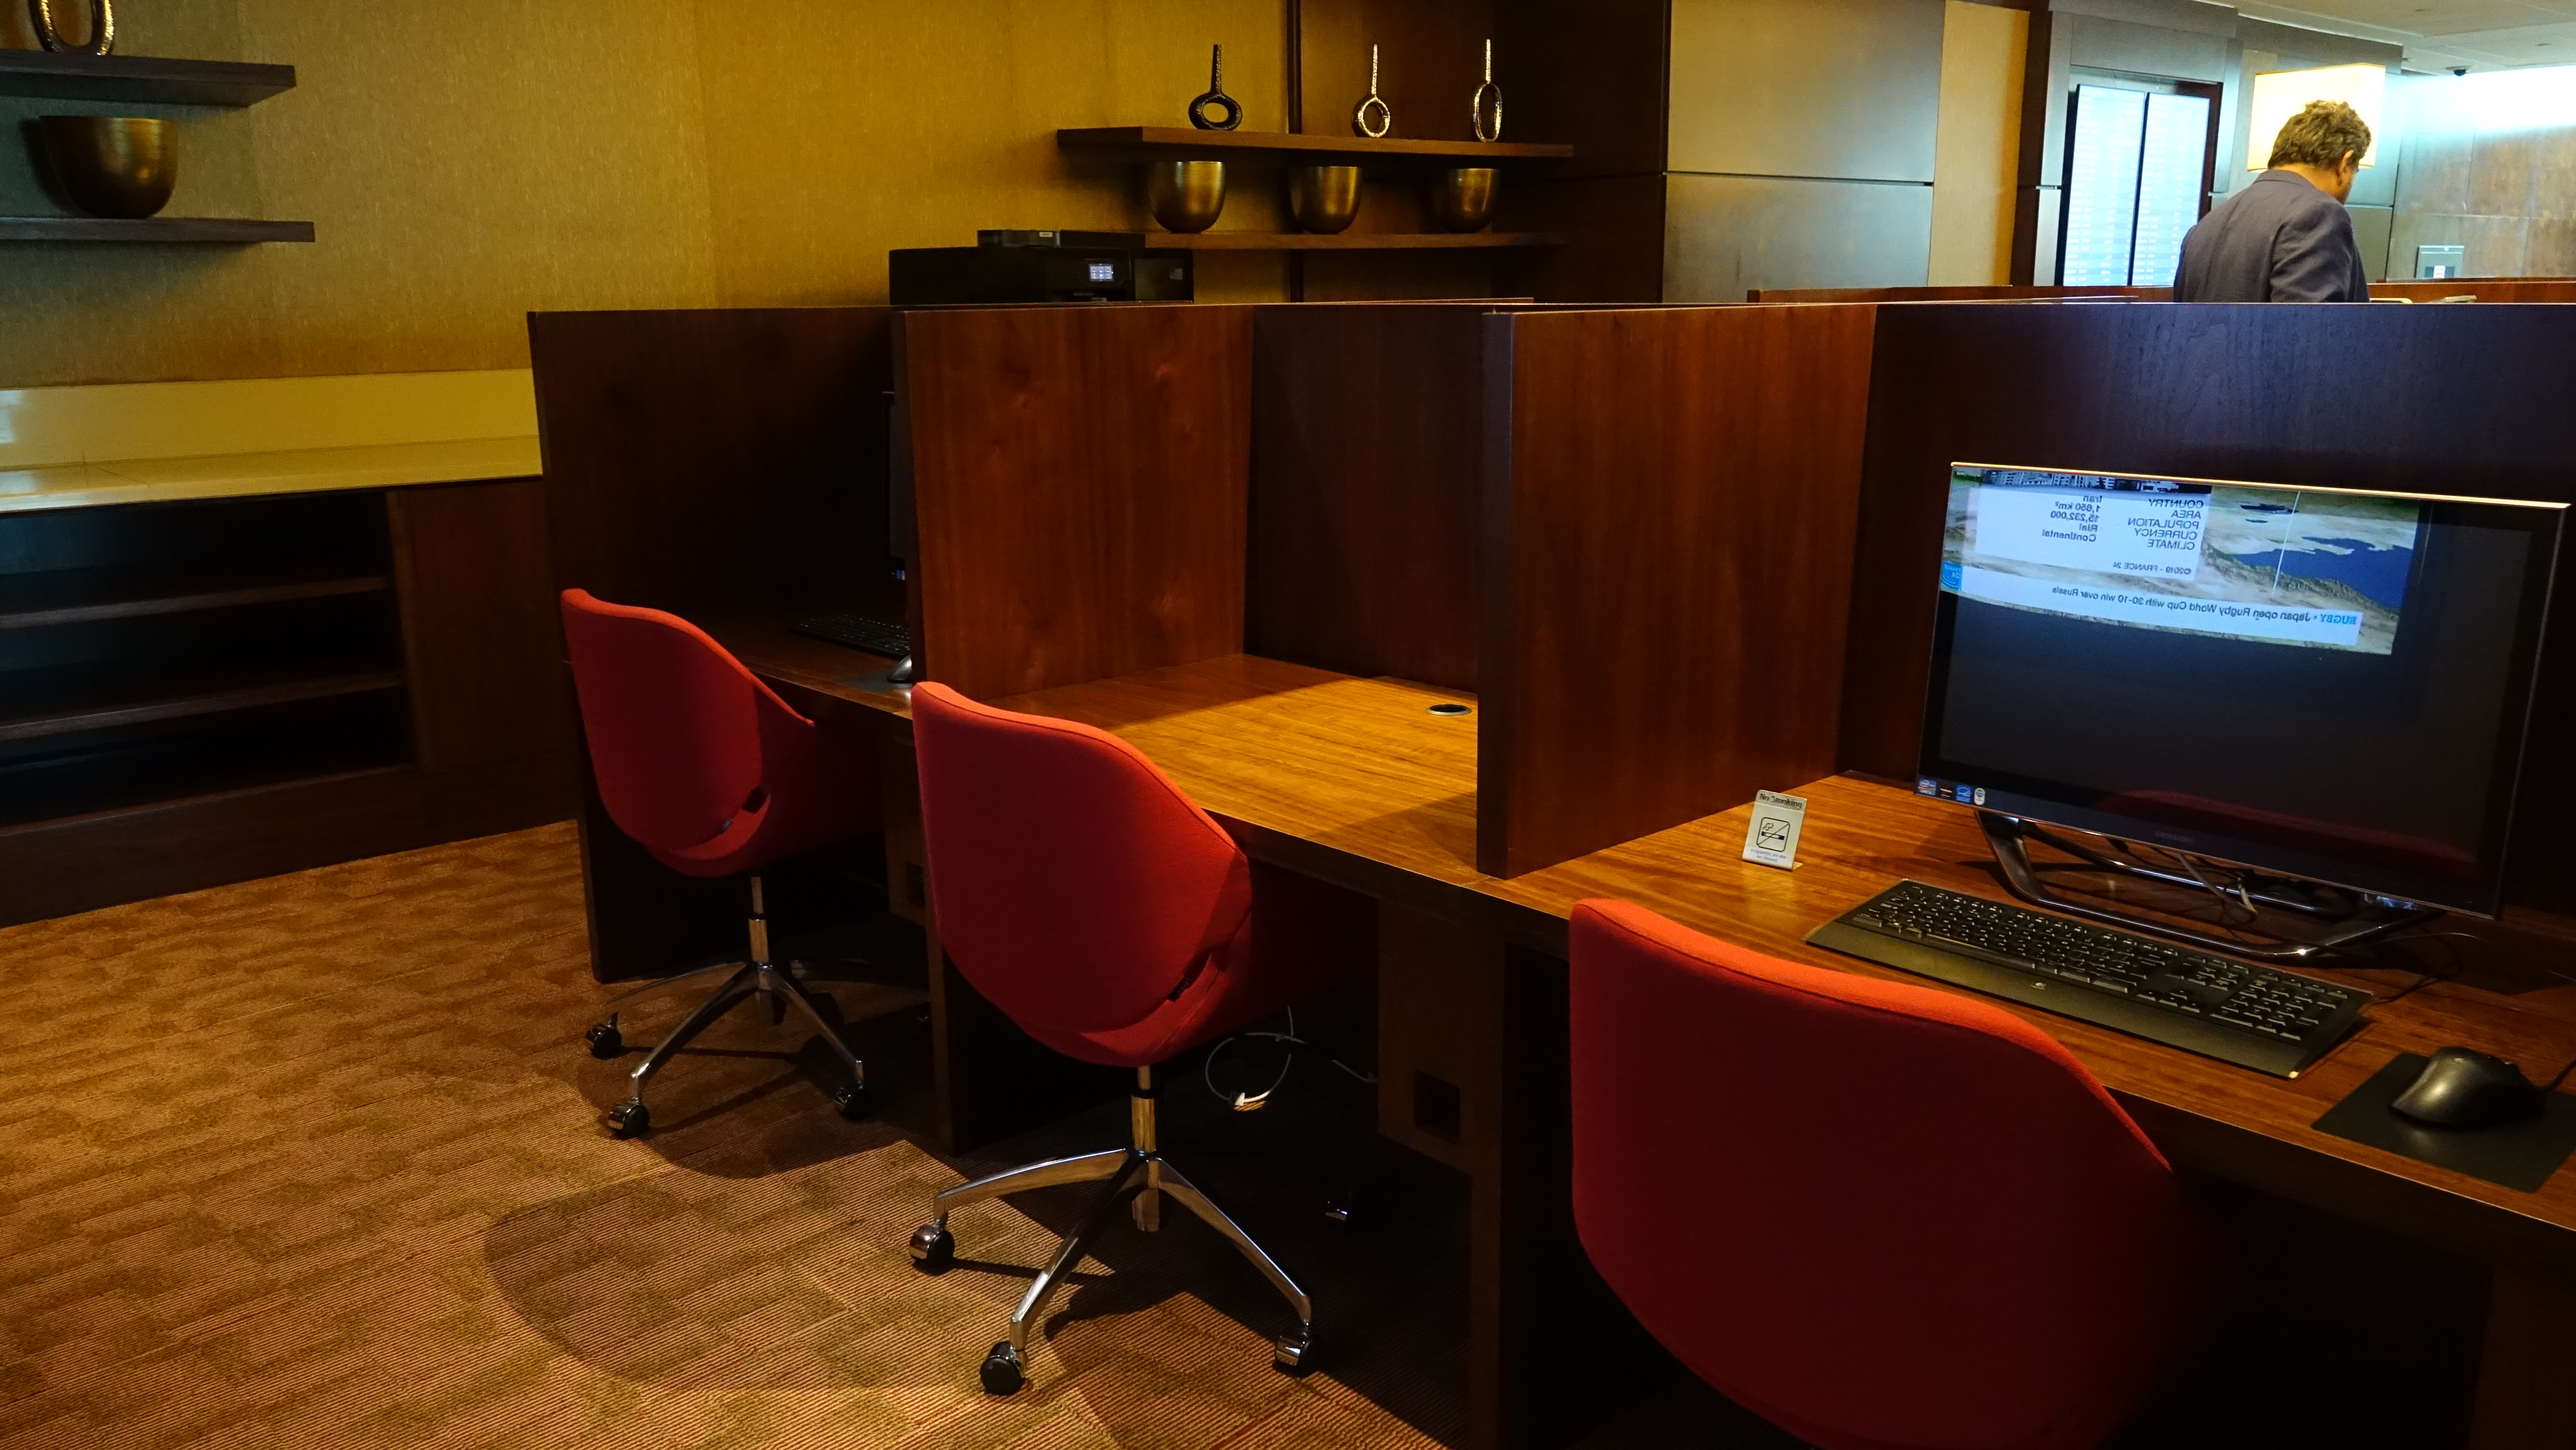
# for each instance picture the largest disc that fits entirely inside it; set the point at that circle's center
(2324, 683)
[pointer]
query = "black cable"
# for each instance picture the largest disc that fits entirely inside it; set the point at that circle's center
(1254, 1102)
(2561, 1076)
(2226, 907)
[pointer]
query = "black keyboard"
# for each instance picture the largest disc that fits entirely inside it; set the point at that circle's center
(857, 631)
(2259, 1017)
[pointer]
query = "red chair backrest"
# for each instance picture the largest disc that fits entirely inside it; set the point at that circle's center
(682, 737)
(1877, 1214)
(1073, 883)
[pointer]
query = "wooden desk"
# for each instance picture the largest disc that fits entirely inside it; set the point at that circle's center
(1355, 782)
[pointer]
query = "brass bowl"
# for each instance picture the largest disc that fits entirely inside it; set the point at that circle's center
(1462, 199)
(111, 166)
(1186, 195)
(1324, 198)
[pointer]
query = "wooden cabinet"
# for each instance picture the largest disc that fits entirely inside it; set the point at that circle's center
(200, 692)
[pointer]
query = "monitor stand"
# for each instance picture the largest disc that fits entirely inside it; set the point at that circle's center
(2334, 917)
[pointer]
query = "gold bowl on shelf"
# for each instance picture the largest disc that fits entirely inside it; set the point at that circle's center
(1324, 198)
(1462, 198)
(1186, 196)
(111, 166)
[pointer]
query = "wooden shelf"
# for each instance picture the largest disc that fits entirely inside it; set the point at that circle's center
(185, 770)
(140, 78)
(84, 596)
(1344, 241)
(150, 229)
(1177, 143)
(66, 699)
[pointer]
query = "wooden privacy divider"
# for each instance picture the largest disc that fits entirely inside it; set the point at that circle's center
(717, 461)
(1669, 505)
(2466, 401)
(1080, 479)
(2485, 289)
(728, 465)
(1367, 422)
(1775, 295)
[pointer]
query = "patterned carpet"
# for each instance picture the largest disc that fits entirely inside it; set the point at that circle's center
(314, 1161)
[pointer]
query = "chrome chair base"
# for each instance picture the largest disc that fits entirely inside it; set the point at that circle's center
(1139, 1177)
(758, 977)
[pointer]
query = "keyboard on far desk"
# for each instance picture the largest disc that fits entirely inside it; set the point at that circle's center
(2259, 1017)
(859, 632)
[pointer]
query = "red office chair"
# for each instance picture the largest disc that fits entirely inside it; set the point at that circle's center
(711, 772)
(1080, 890)
(1880, 1216)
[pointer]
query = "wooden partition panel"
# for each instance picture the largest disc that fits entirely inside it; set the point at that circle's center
(1668, 511)
(1953, 294)
(2485, 289)
(1367, 420)
(720, 461)
(2445, 400)
(1080, 477)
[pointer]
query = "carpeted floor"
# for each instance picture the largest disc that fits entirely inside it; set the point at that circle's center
(314, 1161)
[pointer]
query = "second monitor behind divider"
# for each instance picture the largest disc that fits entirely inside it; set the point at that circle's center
(1079, 478)
(1669, 506)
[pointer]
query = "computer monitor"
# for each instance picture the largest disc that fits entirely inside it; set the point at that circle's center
(2327, 684)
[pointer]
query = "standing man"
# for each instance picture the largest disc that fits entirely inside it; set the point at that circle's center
(2286, 236)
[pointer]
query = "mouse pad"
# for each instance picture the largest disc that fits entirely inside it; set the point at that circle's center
(2520, 1156)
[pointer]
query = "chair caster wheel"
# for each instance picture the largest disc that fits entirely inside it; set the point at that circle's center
(853, 1102)
(934, 1248)
(630, 1119)
(1001, 1370)
(1293, 1354)
(605, 1040)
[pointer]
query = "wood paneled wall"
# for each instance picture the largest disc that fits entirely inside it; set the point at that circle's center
(717, 460)
(1080, 483)
(1367, 422)
(1669, 506)
(2481, 167)
(1978, 156)
(2335, 396)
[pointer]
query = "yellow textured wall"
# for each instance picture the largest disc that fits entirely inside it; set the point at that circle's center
(468, 161)
(1979, 146)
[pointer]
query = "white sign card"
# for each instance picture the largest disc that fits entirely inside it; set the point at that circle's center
(1772, 838)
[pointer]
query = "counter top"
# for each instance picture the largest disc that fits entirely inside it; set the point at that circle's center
(241, 475)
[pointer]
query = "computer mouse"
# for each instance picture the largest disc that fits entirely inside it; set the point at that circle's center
(902, 673)
(2464, 1088)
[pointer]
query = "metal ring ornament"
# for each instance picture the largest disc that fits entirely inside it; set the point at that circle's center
(1375, 128)
(1216, 96)
(102, 28)
(1489, 98)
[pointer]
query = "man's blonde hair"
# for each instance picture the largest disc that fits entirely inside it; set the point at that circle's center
(2321, 135)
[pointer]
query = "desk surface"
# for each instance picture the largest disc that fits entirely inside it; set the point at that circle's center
(243, 475)
(1355, 780)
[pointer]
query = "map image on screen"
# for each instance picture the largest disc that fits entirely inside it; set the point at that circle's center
(2283, 566)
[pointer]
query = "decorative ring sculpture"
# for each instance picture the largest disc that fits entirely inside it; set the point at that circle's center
(1489, 99)
(102, 28)
(1216, 96)
(1373, 117)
